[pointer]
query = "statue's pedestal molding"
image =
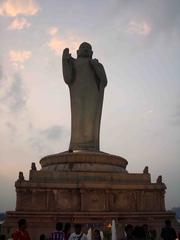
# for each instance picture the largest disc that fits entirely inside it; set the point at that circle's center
(88, 188)
(84, 161)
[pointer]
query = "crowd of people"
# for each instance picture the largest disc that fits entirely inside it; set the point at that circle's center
(143, 232)
(67, 232)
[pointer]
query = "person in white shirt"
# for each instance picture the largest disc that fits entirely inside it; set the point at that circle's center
(78, 234)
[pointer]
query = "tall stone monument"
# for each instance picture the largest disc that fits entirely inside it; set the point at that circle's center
(86, 79)
(84, 184)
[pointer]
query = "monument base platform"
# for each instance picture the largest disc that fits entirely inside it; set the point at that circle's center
(89, 188)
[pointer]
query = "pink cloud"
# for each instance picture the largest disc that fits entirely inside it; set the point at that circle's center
(17, 58)
(16, 7)
(57, 45)
(19, 24)
(53, 31)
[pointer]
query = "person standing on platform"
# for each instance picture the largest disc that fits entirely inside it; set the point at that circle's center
(2, 237)
(58, 234)
(96, 234)
(147, 232)
(67, 230)
(139, 233)
(168, 232)
(78, 234)
(21, 233)
(129, 232)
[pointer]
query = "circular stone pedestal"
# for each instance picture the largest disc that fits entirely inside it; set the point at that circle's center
(84, 161)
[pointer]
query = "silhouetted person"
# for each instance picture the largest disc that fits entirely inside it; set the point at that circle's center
(78, 234)
(58, 234)
(153, 234)
(2, 237)
(139, 233)
(21, 233)
(96, 235)
(147, 232)
(129, 232)
(67, 230)
(168, 232)
(42, 237)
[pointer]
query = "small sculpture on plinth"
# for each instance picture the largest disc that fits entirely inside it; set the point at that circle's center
(33, 166)
(146, 170)
(21, 176)
(159, 180)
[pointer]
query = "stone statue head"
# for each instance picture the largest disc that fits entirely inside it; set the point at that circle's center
(85, 50)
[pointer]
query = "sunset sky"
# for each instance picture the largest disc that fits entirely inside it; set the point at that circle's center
(138, 42)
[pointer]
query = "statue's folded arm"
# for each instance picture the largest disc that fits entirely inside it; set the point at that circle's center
(99, 71)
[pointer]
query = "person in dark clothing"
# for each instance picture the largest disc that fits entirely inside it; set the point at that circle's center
(168, 232)
(2, 237)
(67, 230)
(96, 234)
(147, 232)
(42, 237)
(139, 233)
(153, 233)
(129, 232)
(58, 234)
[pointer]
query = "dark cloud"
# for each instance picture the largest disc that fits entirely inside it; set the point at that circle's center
(11, 127)
(15, 97)
(53, 133)
(47, 140)
(2, 77)
(1, 73)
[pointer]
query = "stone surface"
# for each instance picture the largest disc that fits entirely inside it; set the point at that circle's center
(86, 79)
(83, 162)
(87, 196)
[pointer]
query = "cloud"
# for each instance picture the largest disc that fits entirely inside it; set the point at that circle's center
(53, 31)
(139, 28)
(17, 58)
(175, 118)
(11, 127)
(57, 44)
(47, 140)
(3, 79)
(1, 73)
(148, 113)
(18, 7)
(15, 96)
(53, 133)
(19, 24)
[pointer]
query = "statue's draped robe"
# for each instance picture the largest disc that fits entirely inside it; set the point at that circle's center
(86, 92)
